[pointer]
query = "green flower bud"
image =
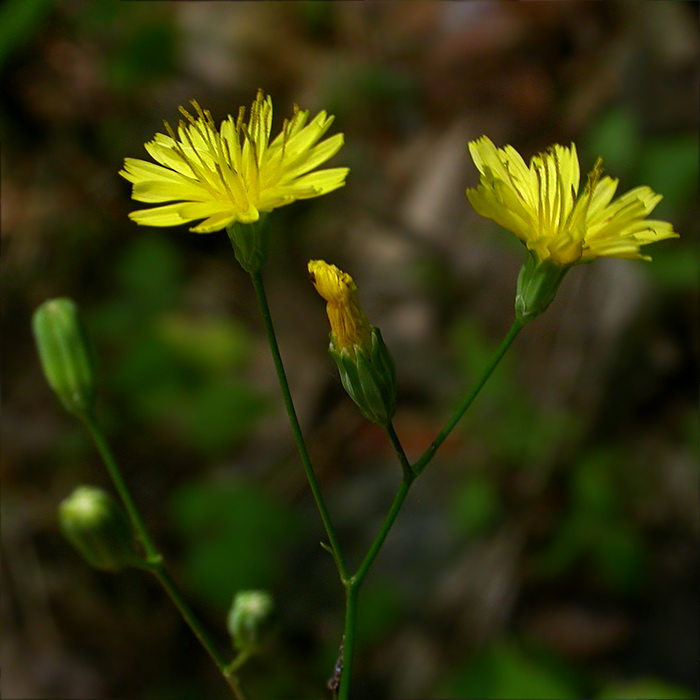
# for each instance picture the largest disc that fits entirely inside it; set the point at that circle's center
(64, 355)
(366, 368)
(251, 620)
(369, 377)
(250, 243)
(96, 525)
(538, 283)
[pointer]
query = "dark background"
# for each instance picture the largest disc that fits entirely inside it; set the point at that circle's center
(550, 550)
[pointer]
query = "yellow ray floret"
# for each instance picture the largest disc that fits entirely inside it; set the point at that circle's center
(233, 173)
(350, 327)
(540, 204)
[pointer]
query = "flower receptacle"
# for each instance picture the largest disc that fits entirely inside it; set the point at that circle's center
(250, 243)
(538, 283)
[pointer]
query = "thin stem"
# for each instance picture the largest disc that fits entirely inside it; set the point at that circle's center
(371, 555)
(427, 456)
(232, 673)
(154, 559)
(296, 428)
(163, 576)
(353, 585)
(110, 462)
(400, 453)
(351, 594)
(410, 473)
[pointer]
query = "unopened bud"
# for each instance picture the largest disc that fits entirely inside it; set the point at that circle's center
(64, 355)
(251, 620)
(96, 525)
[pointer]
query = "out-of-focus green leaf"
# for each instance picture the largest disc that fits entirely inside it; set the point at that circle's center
(147, 53)
(649, 688)
(150, 274)
(220, 414)
(670, 167)
(505, 671)
(596, 531)
(614, 137)
(234, 536)
(620, 557)
(476, 505)
(381, 606)
(675, 265)
(215, 345)
(19, 19)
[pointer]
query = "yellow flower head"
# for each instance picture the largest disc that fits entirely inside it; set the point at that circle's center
(541, 205)
(350, 328)
(234, 173)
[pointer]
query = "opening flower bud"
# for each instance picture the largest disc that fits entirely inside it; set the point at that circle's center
(251, 620)
(96, 525)
(365, 365)
(64, 354)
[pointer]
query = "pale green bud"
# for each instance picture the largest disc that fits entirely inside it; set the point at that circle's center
(64, 355)
(538, 283)
(97, 526)
(251, 620)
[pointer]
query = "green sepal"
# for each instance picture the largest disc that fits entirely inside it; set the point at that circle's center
(369, 377)
(250, 243)
(64, 355)
(251, 620)
(538, 283)
(97, 526)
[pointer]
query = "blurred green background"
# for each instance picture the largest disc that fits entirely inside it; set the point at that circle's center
(550, 551)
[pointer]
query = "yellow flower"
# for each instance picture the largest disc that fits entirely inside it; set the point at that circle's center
(350, 327)
(234, 173)
(541, 205)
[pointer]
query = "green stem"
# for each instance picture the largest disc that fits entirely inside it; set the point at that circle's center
(427, 456)
(351, 594)
(152, 554)
(154, 559)
(410, 473)
(232, 673)
(353, 585)
(256, 277)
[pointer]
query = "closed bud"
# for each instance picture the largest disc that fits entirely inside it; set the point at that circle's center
(365, 366)
(64, 355)
(538, 283)
(96, 525)
(250, 243)
(251, 620)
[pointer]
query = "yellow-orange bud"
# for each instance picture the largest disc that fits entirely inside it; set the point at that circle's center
(365, 366)
(350, 327)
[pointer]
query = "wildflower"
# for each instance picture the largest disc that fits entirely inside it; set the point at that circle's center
(541, 205)
(233, 174)
(365, 366)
